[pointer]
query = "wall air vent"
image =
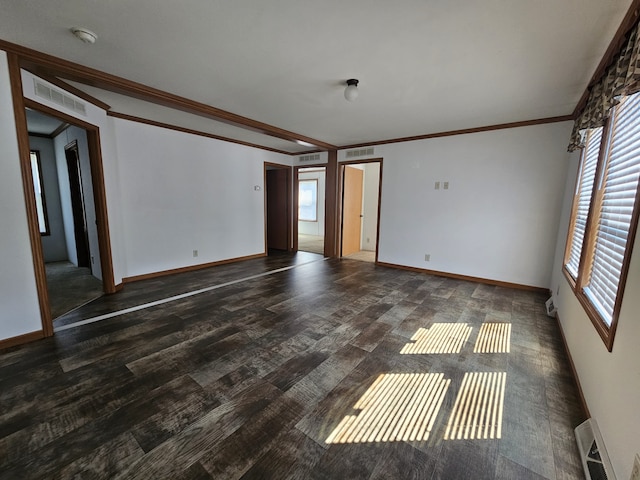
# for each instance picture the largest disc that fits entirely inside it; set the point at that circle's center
(59, 97)
(595, 460)
(315, 157)
(360, 152)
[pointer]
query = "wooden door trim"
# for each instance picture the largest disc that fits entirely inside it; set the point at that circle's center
(20, 103)
(379, 160)
(294, 207)
(29, 195)
(332, 206)
(99, 190)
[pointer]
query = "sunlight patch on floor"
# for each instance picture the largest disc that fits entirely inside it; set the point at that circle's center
(493, 338)
(397, 407)
(439, 338)
(477, 412)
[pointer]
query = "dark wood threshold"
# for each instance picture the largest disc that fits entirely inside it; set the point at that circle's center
(21, 339)
(486, 281)
(190, 268)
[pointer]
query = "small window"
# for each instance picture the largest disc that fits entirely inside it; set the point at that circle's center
(605, 216)
(308, 200)
(38, 187)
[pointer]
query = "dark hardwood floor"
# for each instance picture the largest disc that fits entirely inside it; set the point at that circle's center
(329, 370)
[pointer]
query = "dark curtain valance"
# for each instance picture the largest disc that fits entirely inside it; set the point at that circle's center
(622, 77)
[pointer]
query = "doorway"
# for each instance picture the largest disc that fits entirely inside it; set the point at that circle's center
(63, 173)
(311, 185)
(278, 207)
(360, 210)
(72, 258)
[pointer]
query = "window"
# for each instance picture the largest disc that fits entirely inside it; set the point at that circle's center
(605, 215)
(308, 200)
(41, 206)
(582, 200)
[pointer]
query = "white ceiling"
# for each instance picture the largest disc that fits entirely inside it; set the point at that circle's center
(424, 66)
(42, 124)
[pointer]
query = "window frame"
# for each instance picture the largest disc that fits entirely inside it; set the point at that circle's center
(605, 330)
(45, 214)
(310, 181)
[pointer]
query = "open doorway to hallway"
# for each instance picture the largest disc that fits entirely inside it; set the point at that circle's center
(65, 204)
(311, 205)
(360, 210)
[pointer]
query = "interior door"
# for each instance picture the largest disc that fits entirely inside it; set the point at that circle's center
(81, 233)
(277, 209)
(351, 210)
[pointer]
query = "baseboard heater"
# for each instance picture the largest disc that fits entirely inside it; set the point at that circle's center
(595, 460)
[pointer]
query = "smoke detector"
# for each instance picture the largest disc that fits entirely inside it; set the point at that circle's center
(84, 34)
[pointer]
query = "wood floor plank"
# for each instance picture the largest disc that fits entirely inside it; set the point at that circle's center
(247, 444)
(293, 456)
(186, 406)
(205, 435)
(103, 462)
(250, 379)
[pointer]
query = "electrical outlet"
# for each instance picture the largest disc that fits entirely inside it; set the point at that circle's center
(635, 473)
(368, 240)
(437, 186)
(92, 261)
(195, 253)
(446, 185)
(427, 257)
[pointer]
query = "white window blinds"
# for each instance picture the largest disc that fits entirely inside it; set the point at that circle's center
(582, 200)
(615, 198)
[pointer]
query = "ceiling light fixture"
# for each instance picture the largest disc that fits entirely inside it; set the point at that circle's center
(351, 92)
(87, 36)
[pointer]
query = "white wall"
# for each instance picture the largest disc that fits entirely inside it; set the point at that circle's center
(370, 192)
(610, 380)
(499, 218)
(314, 228)
(20, 312)
(53, 245)
(182, 192)
(295, 160)
(65, 138)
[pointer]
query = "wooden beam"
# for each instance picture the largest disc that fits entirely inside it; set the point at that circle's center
(132, 118)
(331, 227)
(42, 64)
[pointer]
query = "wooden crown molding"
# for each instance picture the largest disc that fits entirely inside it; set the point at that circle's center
(466, 131)
(146, 121)
(53, 69)
(43, 65)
